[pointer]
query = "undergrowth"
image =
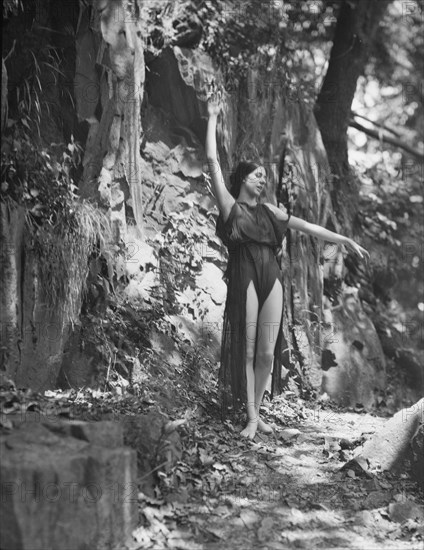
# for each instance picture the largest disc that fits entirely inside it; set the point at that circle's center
(128, 361)
(62, 251)
(61, 230)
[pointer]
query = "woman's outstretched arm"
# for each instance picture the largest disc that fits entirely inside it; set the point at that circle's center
(224, 198)
(326, 235)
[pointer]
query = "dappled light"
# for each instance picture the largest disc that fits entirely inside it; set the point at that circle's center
(211, 294)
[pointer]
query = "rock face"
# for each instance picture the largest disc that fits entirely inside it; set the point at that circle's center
(357, 371)
(67, 484)
(109, 78)
(32, 335)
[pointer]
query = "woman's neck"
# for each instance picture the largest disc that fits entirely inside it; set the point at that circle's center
(247, 199)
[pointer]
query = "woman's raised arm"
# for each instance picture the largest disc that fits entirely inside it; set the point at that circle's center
(224, 198)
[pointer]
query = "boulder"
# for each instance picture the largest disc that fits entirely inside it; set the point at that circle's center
(66, 484)
(357, 369)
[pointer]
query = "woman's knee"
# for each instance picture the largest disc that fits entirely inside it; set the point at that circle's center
(264, 357)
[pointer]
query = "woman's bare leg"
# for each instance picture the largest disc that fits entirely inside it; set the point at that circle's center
(268, 323)
(252, 307)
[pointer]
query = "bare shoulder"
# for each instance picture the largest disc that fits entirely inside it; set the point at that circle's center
(279, 214)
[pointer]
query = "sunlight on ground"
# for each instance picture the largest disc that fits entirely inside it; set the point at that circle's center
(282, 491)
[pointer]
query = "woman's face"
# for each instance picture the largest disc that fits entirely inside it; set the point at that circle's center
(255, 181)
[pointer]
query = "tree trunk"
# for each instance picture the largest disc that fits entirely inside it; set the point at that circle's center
(356, 27)
(3, 95)
(11, 243)
(390, 447)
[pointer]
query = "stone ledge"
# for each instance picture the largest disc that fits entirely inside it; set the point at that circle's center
(106, 433)
(63, 486)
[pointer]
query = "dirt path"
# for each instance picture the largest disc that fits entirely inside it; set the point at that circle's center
(282, 491)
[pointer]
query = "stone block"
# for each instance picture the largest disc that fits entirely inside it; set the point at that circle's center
(67, 485)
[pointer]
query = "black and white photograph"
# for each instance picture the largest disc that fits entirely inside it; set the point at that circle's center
(211, 283)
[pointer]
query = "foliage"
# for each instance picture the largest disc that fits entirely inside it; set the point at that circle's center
(118, 339)
(159, 19)
(235, 31)
(181, 247)
(35, 177)
(182, 239)
(32, 101)
(397, 53)
(11, 6)
(289, 37)
(391, 198)
(127, 359)
(389, 210)
(391, 219)
(38, 88)
(62, 229)
(63, 251)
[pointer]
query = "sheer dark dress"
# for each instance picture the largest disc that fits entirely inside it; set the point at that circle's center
(253, 236)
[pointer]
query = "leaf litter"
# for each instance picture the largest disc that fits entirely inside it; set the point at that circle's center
(287, 490)
(296, 488)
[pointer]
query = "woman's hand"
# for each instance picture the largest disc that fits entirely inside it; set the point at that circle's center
(354, 247)
(214, 105)
(214, 99)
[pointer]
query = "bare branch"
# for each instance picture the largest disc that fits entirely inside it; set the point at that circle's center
(387, 139)
(378, 124)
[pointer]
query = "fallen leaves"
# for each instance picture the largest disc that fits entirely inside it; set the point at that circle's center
(279, 491)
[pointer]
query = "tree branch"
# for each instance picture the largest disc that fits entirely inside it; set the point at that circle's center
(387, 139)
(378, 124)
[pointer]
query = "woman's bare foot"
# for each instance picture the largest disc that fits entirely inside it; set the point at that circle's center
(264, 427)
(250, 430)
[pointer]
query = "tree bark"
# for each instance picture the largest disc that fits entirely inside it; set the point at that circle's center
(356, 27)
(389, 448)
(11, 241)
(3, 96)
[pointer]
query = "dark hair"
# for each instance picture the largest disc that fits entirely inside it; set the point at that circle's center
(236, 179)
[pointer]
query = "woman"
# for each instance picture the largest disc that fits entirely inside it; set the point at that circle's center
(252, 232)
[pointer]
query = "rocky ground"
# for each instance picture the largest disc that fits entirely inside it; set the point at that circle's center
(293, 489)
(200, 485)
